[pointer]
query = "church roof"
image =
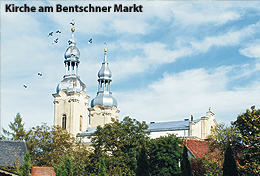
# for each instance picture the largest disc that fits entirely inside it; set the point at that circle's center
(11, 151)
(168, 126)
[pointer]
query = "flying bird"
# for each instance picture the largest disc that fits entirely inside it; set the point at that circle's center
(70, 41)
(40, 73)
(50, 34)
(55, 41)
(72, 22)
(90, 41)
(25, 86)
(58, 31)
(105, 43)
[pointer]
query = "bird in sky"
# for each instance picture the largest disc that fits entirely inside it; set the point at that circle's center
(72, 22)
(25, 86)
(40, 73)
(70, 41)
(50, 34)
(90, 41)
(55, 41)
(58, 31)
(105, 43)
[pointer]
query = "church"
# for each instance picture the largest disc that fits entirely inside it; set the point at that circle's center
(72, 111)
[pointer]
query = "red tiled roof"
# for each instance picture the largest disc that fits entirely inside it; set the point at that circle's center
(42, 171)
(197, 147)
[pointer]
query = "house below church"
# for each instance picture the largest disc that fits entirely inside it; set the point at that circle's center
(188, 128)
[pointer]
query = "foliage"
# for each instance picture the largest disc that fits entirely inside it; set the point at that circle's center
(165, 154)
(118, 143)
(142, 163)
(197, 167)
(221, 135)
(102, 167)
(18, 129)
(68, 167)
(248, 124)
(26, 168)
(185, 163)
(47, 144)
(229, 166)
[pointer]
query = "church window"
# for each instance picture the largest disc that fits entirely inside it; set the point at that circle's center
(64, 119)
(80, 123)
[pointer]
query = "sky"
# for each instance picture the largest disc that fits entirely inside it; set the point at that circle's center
(173, 60)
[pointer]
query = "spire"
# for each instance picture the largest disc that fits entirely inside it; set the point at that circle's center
(71, 56)
(104, 96)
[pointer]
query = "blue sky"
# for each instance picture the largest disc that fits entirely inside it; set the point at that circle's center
(173, 60)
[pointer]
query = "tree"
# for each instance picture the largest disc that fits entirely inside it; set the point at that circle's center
(48, 144)
(102, 167)
(229, 166)
(197, 166)
(165, 154)
(221, 135)
(248, 124)
(68, 167)
(185, 163)
(26, 168)
(142, 163)
(118, 142)
(18, 129)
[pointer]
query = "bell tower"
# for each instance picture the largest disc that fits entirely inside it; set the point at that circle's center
(70, 99)
(103, 106)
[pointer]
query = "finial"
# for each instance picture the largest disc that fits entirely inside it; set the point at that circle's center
(72, 29)
(105, 50)
(209, 108)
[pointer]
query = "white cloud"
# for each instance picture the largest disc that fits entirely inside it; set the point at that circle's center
(197, 13)
(177, 96)
(252, 51)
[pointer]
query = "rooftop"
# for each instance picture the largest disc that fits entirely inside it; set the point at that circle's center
(12, 152)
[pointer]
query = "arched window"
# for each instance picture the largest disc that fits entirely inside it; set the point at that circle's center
(64, 119)
(80, 123)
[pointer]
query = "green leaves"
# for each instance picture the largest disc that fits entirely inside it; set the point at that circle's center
(248, 124)
(18, 129)
(26, 168)
(165, 154)
(118, 143)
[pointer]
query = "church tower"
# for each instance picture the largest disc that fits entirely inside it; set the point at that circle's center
(103, 106)
(70, 99)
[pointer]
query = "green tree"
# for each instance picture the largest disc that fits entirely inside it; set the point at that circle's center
(165, 154)
(68, 167)
(185, 163)
(48, 144)
(248, 124)
(229, 166)
(26, 168)
(17, 128)
(142, 163)
(118, 143)
(102, 167)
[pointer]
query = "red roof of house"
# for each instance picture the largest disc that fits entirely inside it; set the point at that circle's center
(197, 147)
(42, 171)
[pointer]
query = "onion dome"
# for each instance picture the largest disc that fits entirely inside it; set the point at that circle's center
(71, 84)
(72, 52)
(104, 99)
(104, 72)
(104, 96)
